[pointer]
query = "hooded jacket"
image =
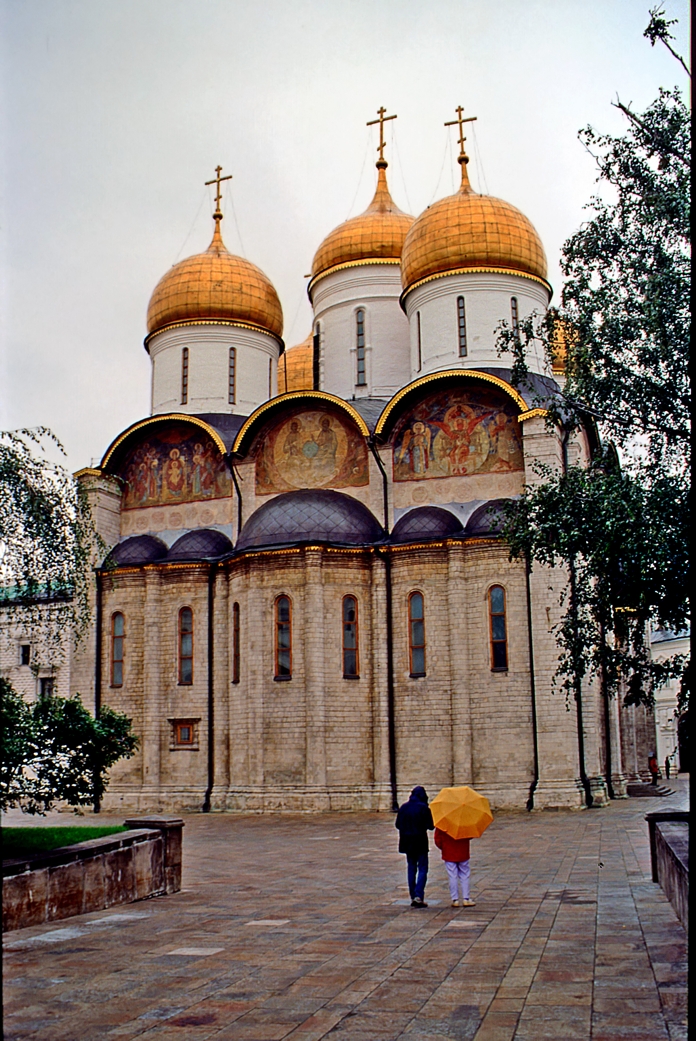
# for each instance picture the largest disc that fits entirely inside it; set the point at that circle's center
(414, 820)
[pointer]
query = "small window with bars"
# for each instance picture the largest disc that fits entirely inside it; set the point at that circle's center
(232, 377)
(118, 639)
(25, 654)
(184, 734)
(316, 356)
(235, 643)
(419, 343)
(514, 314)
(283, 638)
(461, 326)
(416, 634)
(350, 638)
(498, 629)
(184, 375)
(185, 646)
(361, 379)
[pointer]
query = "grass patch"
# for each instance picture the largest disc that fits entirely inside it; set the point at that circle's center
(17, 842)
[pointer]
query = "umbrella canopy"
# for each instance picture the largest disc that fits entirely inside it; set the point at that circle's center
(461, 812)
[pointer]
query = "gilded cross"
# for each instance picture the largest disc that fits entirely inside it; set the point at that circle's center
(218, 181)
(381, 120)
(460, 121)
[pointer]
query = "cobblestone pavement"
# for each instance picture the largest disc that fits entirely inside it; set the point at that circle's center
(301, 928)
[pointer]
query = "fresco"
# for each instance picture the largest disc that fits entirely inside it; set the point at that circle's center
(175, 464)
(458, 432)
(311, 449)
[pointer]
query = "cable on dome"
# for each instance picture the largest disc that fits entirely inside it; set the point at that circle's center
(444, 157)
(362, 170)
(230, 198)
(190, 231)
(401, 169)
(479, 160)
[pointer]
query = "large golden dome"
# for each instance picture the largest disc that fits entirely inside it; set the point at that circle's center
(469, 231)
(296, 367)
(376, 235)
(213, 287)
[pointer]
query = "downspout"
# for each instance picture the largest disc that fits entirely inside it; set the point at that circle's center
(532, 687)
(211, 687)
(99, 610)
(385, 483)
(607, 718)
(235, 482)
(584, 780)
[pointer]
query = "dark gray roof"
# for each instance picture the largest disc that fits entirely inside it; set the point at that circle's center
(139, 549)
(487, 519)
(426, 522)
(226, 425)
(369, 408)
(201, 544)
(536, 390)
(310, 515)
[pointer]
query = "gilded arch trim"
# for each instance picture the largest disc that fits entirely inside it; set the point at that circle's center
(256, 418)
(178, 417)
(388, 416)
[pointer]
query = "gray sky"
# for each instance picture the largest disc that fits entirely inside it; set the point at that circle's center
(115, 112)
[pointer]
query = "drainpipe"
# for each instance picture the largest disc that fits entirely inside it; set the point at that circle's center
(584, 780)
(385, 483)
(211, 687)
(235, 482)
(532, 686)
(99, 610)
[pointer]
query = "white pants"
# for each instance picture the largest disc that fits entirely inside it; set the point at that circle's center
(458, 873)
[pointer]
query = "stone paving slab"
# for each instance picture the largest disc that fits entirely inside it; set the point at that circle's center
(300, 928)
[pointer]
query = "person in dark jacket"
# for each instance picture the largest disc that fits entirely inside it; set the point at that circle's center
(414, 820)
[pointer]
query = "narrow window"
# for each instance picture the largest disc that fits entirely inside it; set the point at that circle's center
(24, 654)
(118, 636)
(186, 646)
(235, 643)
(316, 348)
(47, 687)
(270, 377)
(514, 315)
(232, 377)
(416, 634)
(184, 375)
(283, 638)
(461, 323)
(418, 335)
(360, 344)
(496, 599)
(184, 733)
(350, 637)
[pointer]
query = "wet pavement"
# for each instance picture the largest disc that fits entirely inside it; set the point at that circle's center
(301, 928)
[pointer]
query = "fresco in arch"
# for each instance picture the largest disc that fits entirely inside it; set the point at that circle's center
(311, 448)
(458, 432)
(174, 464)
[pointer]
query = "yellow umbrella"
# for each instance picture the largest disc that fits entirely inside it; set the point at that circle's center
(461, 812)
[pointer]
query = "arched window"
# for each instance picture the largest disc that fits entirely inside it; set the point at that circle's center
(232, 377)
(184, 374)
(496, 600)
(514, 315)
(270, 377)
(118, 636)
(316, 356)
(283, 638)
(461, 325)
(185, 646)
(416, 634)
(350, 638)
(360, 347)
(235, 643)
(418, 341)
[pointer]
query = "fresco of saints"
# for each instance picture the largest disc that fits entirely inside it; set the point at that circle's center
(327, 446)
(416, 445)
(458, 425)
(175, 475)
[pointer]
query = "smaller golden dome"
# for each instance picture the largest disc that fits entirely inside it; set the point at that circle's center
(467, 230)
(296, 367)
(564, 338)
(376, 234)
(215, 286)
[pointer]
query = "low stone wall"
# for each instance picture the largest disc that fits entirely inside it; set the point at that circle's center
(669, 855)
(89, 876)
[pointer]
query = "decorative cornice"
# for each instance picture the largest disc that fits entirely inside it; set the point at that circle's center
(475, 271)
(301, 396)
(87, 471)
(447, 374)
(532, 414)
(348, 264)
(212, 321)
(166, 417)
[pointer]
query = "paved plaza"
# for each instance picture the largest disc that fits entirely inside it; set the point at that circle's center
(300, 928)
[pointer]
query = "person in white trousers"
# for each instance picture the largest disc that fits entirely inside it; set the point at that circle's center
(455, 853)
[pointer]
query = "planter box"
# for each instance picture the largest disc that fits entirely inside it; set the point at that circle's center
(92, 875)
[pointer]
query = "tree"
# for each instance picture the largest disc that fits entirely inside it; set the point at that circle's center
(54, 750)
(622, 330)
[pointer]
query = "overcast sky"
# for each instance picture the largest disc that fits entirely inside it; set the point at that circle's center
(115, 113)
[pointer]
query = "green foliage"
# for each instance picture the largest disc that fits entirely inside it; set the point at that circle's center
(21, 841)
(54, 750)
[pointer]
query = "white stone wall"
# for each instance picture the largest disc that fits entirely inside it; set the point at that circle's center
(487, 299)
(208, 369)
(336, 298)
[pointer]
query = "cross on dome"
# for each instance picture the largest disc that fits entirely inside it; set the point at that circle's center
(217, 180)
(463, 158)
(382, 119)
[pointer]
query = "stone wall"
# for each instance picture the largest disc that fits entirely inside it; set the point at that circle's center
(669, 855)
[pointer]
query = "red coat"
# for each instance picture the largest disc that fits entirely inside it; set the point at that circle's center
(454, 850)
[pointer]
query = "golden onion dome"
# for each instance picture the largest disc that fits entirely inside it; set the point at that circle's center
(376, 235)
(296, 367)
(215, 287)
(467, 231)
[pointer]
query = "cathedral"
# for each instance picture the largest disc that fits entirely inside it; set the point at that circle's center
(307, 603)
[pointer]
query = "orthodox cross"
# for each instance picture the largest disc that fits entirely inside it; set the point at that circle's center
(460, 121)
(382, 120)
(218, 181)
